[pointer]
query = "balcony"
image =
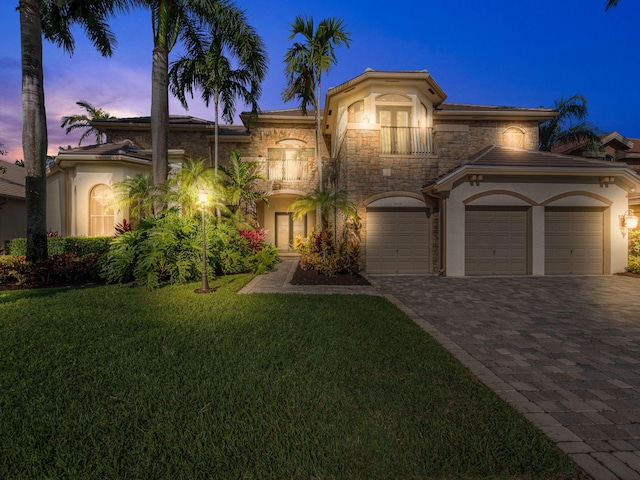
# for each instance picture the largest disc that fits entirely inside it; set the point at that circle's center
(406, 141)
(288, 169)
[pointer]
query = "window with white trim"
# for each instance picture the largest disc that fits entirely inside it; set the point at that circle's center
(101, 219)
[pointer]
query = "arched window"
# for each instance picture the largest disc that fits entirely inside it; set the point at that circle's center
(513, 137)
(356, 112)
(101, 220)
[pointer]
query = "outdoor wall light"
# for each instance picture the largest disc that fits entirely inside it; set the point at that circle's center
(629, 219)
(204, 288)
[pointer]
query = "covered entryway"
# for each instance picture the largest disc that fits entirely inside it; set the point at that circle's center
(287, 228)
(496, 241)
(574, 241)
(397, 236)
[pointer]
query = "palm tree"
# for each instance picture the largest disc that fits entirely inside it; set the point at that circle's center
(327, 201)
(569, 125)
(611, 3)
(231, 65)
(136, 194)
(73, 122)
(306, 62)
(240, 183)
(188, 180)
(53, 20)
(172, 21)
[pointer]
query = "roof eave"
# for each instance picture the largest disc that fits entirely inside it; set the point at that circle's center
(631, 180)
(524, 114)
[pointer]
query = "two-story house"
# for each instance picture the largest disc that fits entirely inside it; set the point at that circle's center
(440, 187)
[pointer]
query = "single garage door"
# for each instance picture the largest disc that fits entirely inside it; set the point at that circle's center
(496, 241)
(574, 241)
(397, 240)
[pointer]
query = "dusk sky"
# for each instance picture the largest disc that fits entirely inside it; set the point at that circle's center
(490, 52)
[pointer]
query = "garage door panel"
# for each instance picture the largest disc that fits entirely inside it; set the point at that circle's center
(496, 242)
(574, 241)
(397, 242)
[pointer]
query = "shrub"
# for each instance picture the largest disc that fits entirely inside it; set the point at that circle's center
(65, 268)
(634, 264)
(634, 243)
(167, 249)
(13, 269)
(320, 252)
(634, 251)
(79, 246)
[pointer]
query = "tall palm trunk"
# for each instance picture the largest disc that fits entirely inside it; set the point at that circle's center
(160, 114)
(34, 129)
(319, 136)
(216, 102)
(160, 99)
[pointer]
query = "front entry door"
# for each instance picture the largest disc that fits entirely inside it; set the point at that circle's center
(287, 228)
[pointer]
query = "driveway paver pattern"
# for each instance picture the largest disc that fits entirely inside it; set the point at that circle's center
(563, 350)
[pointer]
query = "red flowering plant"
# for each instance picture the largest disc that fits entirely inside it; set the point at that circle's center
(254, 238)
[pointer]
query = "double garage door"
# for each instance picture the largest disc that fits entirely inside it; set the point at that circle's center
(397, 241)
(497, 241)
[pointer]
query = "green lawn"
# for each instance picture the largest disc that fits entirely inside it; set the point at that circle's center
(116, 382)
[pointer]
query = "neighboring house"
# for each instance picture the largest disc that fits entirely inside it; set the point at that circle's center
(440, 187)
(614, 148)
(13, 210)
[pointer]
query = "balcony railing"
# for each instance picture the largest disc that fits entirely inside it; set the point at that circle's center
(288, 169)
(406, 140)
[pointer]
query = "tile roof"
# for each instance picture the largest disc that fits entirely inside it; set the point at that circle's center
(499, 156)
(285, 112)
(173, 120)
(463, 107)
(12, 180)
(515, 158)
(125, 147)
(636, 145)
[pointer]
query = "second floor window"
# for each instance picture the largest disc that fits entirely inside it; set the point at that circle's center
(289, 163)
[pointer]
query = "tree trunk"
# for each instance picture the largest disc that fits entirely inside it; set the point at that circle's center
(160, 116)
(216, 101)
(34, 129)
(319, 137)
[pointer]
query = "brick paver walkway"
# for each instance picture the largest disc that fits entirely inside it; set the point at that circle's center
(564, 351)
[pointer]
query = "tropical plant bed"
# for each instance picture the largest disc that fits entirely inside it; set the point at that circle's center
(313, 277)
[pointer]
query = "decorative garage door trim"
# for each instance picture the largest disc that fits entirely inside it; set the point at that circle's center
(497, 241)
(574, 241)
(397, 240)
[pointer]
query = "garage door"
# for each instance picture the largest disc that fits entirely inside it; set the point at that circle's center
(574, 241)
(496, 241)
(397, 241)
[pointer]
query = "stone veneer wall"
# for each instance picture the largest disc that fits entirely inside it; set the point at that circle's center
(456, 146)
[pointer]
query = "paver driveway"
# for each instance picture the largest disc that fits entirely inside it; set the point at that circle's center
(565, 351)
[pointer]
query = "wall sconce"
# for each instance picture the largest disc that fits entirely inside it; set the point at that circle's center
(629, 220)
(365, 119)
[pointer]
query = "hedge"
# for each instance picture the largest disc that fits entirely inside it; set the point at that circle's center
(78, 246)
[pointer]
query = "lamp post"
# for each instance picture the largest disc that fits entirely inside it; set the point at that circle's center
(204, 288)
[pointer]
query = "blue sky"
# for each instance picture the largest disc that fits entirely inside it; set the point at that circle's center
(492, 52)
